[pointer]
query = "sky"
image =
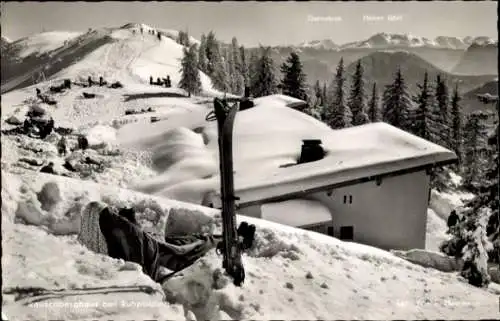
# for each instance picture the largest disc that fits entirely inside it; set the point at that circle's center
(266, 23)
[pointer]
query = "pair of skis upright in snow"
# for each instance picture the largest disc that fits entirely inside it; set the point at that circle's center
(231, 250)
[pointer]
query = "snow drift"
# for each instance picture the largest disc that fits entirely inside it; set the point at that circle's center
(313, 273)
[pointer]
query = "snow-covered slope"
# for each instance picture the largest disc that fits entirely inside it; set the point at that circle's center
(123, 53)
(291, 274)
(43, 42)
(132, 58)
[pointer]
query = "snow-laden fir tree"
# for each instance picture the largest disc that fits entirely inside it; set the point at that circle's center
(315, 104)
(253, 66)
(374, 113)
(183, 38)
(230, 70)
(475, 252)
(427, 123)
(456, 136)
(338, 114)
(490, 195)
(422, 124)
(324, 99)
(317, 94)
(397, 103)
(474, 151)
(237, 77)
(485, 203)
(264, 81)
(293, 83)
(202, 54)
(356, 101)
(442, 112)
(190, 76)
(212, 53)
(216, 66)
(244, 66)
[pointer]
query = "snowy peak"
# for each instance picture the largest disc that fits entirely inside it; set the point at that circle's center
(482, 41)
(137, 26)
(6, 40)
(43, 42)
(387, 40)
(326, 44)
(170, 33)
(451, 42)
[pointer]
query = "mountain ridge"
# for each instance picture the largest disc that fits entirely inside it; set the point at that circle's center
(391, 40)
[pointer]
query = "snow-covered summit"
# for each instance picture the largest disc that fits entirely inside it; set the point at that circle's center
(384, 40)
(43, 42)
(326, 44)
(481, 41)
(6, 39)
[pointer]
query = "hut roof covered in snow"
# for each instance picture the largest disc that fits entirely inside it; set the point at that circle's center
(353, 154)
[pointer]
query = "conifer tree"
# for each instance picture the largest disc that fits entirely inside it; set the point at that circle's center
(190, 76)
(468, 237)
(374, 105)
(356, 100)
(224, 83)
(318, 94)
(490, 196)
(397, 104)
(442, 113)
(230, 69)
(212, 53)
(237, 78)
(294, 79)
(183, 38)
(253, 67)
(456, 127)
(244, 66)
(315, 105)
(423, 114)
(475, 268)
(202, 54)
(216, 66)
(324, 99)
(325, 103)
(474, 148)
(338, 114)
(265, 82)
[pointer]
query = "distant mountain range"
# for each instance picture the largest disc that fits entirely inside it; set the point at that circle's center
(473, 56)
(386, 40)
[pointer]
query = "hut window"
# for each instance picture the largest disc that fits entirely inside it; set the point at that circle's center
(346, 232)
